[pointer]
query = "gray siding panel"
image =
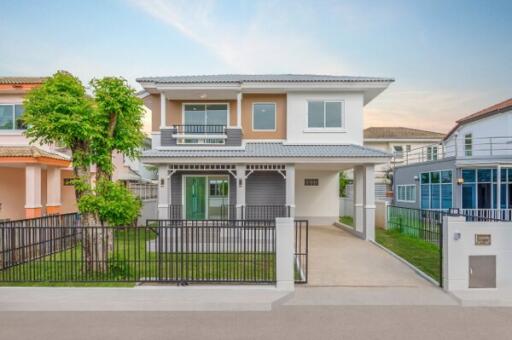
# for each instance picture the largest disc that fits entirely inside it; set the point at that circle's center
(405, 175)
(234, 138)
(166, 137)
(265, 188)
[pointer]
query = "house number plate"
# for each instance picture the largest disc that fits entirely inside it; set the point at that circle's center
(482, 239)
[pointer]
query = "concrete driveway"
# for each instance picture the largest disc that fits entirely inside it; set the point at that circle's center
(337, 258)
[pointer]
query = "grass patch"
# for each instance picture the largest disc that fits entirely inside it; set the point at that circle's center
(422, 254)
(131, 261)
(348, 220)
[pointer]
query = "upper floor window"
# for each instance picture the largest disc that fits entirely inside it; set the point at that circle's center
(10, 117)
(264, 117)
(431, 153)
(468, 145)
(398, 150)
(325, 114)
(205, 114)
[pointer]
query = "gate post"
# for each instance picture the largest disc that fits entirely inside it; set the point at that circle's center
(284, 253)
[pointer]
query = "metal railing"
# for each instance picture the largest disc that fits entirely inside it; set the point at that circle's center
(482, 215)
(458, 147)
(230, 251)
(190, 129)
(422, 224)
(301, 251)
(265, 212)
(144, 191)
(29, 239)
(230, 211)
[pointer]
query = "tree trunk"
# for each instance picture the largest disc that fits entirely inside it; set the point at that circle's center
(95, 249)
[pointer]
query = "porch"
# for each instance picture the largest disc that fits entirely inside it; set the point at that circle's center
(34, 183)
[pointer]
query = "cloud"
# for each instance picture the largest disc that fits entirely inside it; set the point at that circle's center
(263, 41)
(428, 109)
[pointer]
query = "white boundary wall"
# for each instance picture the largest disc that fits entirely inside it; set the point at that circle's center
(459, 244)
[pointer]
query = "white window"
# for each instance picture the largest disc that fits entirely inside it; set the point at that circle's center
(468, 145)
(325, 114)
(432, 153)
(406, 193)
(10, 117)
(398, 150)
(264, 116)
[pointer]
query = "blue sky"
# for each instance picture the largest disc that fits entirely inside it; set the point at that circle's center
(449, 58)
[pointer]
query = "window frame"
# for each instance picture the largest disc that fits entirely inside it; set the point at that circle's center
(440, 184)
(405, 187)
(275, 117)
(13, 114)
(342, 128)
(205, 104)
(468, 147)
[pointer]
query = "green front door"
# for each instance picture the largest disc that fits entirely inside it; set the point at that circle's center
(195, 198)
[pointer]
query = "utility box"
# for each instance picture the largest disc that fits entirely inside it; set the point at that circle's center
(482, 271)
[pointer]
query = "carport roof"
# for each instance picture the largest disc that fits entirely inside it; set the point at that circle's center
(271, 150)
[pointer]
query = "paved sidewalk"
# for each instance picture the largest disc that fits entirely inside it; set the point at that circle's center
(150, 298)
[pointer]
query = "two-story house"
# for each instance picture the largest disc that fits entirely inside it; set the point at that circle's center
(259, 146)
(33, 178)
(470, 170)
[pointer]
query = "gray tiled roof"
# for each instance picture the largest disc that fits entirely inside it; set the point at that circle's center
(246, 78)
(273, 149)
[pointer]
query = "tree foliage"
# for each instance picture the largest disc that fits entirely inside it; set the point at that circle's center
(92, 127)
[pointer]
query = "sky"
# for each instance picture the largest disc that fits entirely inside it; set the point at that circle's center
(448, 58)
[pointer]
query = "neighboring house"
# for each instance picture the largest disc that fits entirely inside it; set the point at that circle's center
(398, 141)
(260, 146)
(33, 178)
(472, 170)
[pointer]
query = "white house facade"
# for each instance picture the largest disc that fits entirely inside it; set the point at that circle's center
(261, 146)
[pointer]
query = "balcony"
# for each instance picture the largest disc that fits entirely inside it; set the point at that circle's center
(459, 148)
(204, 135)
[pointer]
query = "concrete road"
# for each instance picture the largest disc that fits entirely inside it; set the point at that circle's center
(297, 322)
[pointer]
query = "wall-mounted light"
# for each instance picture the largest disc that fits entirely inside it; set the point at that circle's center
(460, 181)
(162, 182)
(203, 96)
(416, 178)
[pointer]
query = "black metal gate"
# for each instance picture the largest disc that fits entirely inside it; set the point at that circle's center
(214, 251)
(301, 250)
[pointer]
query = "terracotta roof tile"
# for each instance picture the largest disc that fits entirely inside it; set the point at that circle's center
(400, 133)
(29, 151)
(22, 80)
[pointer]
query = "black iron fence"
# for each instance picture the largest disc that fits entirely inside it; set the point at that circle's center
(28, 239)
(229, 251)
(232, 212)
(417, 236)
(301, 251)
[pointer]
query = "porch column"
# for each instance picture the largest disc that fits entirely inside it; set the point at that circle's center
(369, 202)
(163, 110)
(358, 195)
(240, 190)
(239, 110)
(163, 192)
(53, 187)
(290, 188)
(32, 191)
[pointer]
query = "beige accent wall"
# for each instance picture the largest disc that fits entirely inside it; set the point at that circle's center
(67, 193)
(12, 193)
(174, 110)
(247, 103)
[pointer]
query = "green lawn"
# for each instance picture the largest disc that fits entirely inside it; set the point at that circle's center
(131, 261)
(422, 254)
(348, 220)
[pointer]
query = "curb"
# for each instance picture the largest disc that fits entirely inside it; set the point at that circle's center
(408, 264)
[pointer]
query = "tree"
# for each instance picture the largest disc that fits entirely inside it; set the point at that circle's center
(343, 181)
(92, 127)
